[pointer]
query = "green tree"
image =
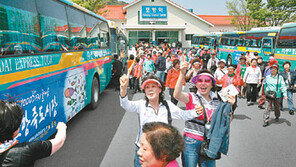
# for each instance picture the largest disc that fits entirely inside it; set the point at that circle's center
(116, 2)
(258, 12)
(92, 5)
(238, 9)
(280, 11)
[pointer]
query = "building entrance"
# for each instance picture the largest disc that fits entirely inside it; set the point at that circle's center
(161, 40)
(144, 40)
(166, 36)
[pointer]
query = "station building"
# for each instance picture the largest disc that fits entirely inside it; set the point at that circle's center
(157, 21)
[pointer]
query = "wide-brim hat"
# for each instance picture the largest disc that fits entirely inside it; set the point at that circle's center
(243, 57)
(222, 60)
(275, 66)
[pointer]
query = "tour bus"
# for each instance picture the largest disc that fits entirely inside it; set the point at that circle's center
(55, 60)
(208, 41)
(285, 48)
(260, 40)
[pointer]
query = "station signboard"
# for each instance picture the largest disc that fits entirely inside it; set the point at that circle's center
(154, 12)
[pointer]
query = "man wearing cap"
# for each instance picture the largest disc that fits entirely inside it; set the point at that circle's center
(240, 71)
(276, 83)
(220, 72)
(290, 80)
(205, 58)
(213, 62)
(229, 78)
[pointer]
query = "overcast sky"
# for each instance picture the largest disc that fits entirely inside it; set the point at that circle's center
(202, 7)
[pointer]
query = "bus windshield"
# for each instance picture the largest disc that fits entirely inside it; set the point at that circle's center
(287, 38)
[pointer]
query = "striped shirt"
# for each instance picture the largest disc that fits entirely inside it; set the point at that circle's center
(194, 128)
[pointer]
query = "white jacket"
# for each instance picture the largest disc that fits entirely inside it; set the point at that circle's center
(252, 75)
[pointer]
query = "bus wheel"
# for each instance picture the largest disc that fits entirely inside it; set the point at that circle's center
(229, 60)
(95, 92)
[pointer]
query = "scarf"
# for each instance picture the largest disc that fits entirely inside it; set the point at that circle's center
(231, 75)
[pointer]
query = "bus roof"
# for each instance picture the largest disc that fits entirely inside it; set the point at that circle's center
(68, 2)
(254, 30)
(206, 35)
(289, 25)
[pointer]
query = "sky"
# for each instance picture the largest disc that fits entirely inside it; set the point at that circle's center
(202, 7)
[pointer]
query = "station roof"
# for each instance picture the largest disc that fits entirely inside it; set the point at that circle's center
(113, 12)
(218, 20)
(118, 12)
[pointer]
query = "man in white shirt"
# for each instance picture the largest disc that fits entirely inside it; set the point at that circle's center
(220, 72)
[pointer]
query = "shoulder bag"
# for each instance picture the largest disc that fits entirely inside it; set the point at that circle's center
(271, 95)
(206, 142)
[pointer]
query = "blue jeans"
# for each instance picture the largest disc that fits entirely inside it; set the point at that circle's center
(290, 100)
(136, 158)
(160, 75)
(190, 157)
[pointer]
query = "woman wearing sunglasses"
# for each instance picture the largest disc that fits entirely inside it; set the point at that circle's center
(194, 129)
(153, 108)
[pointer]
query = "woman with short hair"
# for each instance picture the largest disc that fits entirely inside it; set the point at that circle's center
(160, 145)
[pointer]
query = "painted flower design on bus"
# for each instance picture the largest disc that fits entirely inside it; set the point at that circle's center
(74, 92)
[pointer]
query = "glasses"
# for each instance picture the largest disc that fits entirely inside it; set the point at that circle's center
(204, 80)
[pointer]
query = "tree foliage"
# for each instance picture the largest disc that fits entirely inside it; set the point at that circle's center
(238, 9)
(116, 2)
(263, 12)
(92, 5)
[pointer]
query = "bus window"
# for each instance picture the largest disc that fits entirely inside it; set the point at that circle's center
(104, 34)
(93, 32)
(266, 43)
(78, 39)
(54, 26)
(20, 32)
(287, 38)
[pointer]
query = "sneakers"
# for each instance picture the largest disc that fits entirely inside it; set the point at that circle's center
(250, 103)
(261, 107)
(291, 112)
(276, 119)
(265, 124)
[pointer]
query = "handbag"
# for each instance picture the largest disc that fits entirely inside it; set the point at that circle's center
(206, 142)
(271, 95)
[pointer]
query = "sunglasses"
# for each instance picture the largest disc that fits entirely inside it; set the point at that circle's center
(200, 80)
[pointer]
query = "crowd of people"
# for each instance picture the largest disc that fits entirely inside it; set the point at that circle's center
(207, 116)
(164, 67)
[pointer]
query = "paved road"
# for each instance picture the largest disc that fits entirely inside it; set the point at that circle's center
(250, 143)
(89, 134)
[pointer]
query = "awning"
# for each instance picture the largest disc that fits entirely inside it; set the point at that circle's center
(153, 27)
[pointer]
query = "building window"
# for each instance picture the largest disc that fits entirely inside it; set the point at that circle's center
(152, 0)
(188, 37)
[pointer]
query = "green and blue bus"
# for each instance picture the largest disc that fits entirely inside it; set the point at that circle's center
(260, 40)
(55, 60)
(207, 41)
(285, 48)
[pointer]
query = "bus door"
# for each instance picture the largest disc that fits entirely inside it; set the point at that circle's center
(267, 46)
(212, 43)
